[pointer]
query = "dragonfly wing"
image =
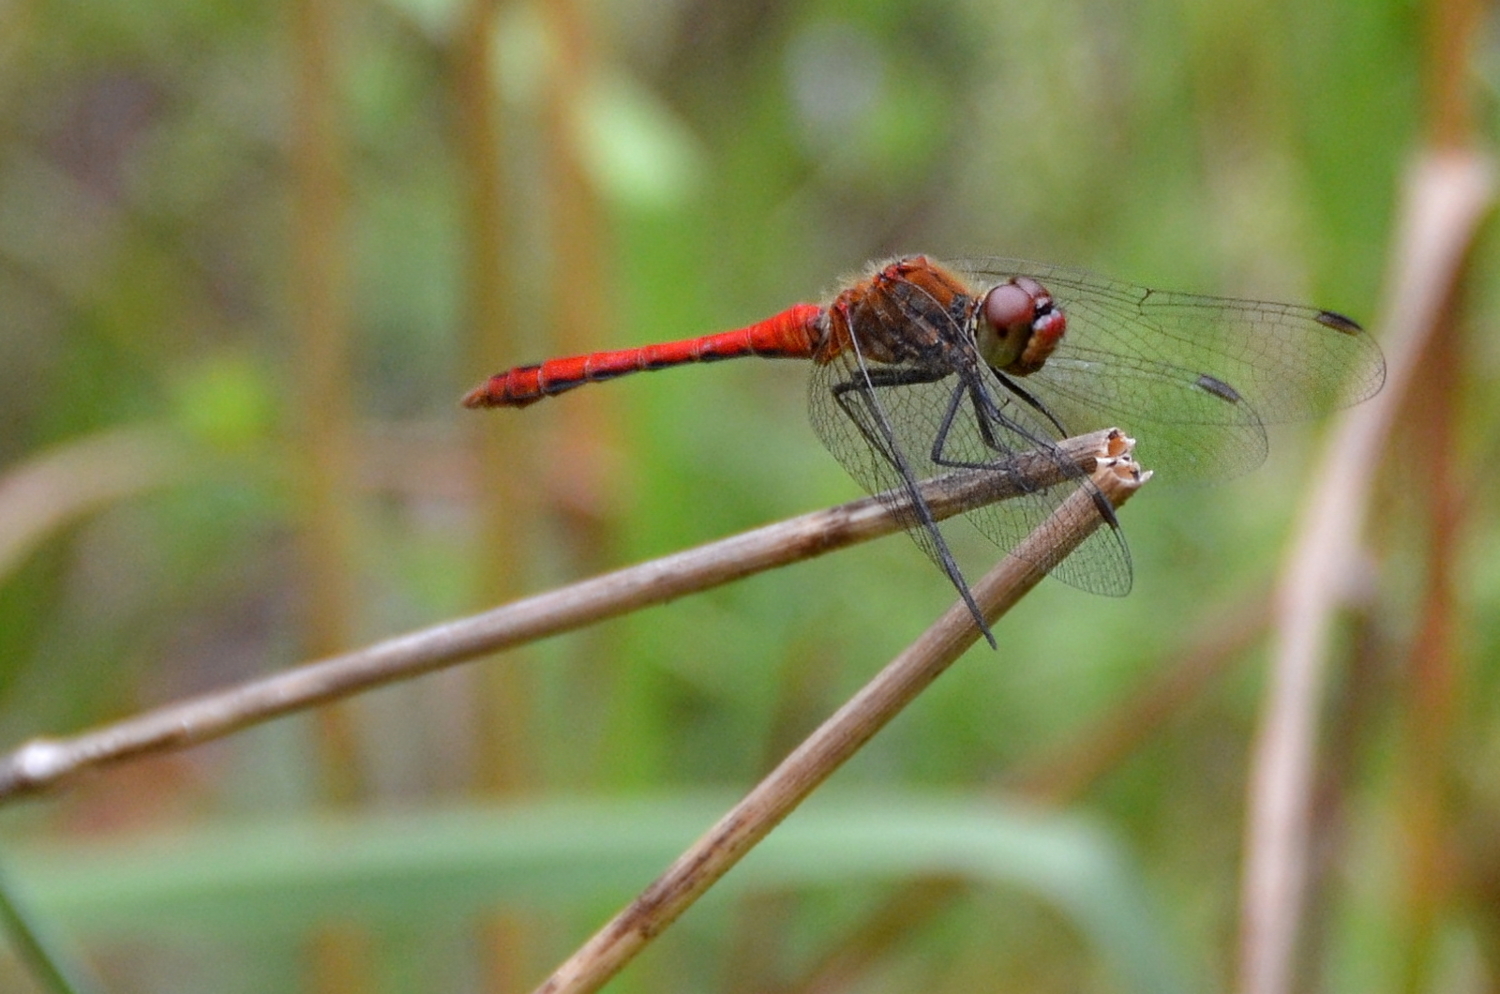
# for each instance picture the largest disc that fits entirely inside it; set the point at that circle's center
(851, 420)
(1191, 427)
(883, 428)
(1196, 377)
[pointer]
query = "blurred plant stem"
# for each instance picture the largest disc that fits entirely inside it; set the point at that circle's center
(321, 328)
(1055, 777)
(320, 323)
(505, 706)
(1432, 695)
(1447, 195)
(1432, 691)
(500, 452)
(1449, 192)
(579, 463)
(1061, 776)
(581, 476)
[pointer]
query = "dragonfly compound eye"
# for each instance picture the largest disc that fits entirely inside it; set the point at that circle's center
(1004, 324)
(1019, 326)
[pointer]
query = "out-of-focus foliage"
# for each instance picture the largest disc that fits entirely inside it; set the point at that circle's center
(741, 157)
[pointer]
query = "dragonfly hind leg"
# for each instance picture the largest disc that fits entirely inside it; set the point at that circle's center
(864, 384)
(876, 428)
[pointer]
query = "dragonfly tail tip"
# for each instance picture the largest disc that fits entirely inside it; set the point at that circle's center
(478, 397)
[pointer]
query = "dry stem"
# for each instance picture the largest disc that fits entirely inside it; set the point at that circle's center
(836, 740)
(1447, 195)
(45, 763)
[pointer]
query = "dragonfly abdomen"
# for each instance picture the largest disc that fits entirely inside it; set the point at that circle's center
(795, 333)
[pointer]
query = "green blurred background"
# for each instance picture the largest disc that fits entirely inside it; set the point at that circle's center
(252, 254)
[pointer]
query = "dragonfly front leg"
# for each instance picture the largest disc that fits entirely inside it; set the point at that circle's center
(986, 416)
(1030, 401)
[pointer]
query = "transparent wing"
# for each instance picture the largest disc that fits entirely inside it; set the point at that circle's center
(891, 425)
(1196, 378)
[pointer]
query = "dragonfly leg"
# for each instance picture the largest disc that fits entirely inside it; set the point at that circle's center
(986, 414)
(1025, 395)
(939, 455)
(876, 428)
(864, 385)
(1106, 509)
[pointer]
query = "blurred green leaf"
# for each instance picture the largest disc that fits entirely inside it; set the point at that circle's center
(224, 400)
(272, 877)
(638, 153)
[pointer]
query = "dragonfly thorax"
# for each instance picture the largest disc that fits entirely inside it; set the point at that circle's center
(908, 312)
(1017, 326)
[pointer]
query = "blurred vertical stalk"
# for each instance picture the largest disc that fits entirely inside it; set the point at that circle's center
(1447, 195)
(582, 473)
(1453, 28)
(582, 318)
(505, 703)
(498, 443)
(1433, 685)
(320, 322)
(1434, 674)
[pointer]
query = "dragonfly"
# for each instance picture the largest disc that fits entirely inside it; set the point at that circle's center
(921, 368)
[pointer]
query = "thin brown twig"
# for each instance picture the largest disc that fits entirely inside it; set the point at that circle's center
(1054, 777)
(45, 763)
(1447, 194)
(838, 738)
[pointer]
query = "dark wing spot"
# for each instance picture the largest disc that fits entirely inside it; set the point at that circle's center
(1218, 388)
(1330, 319)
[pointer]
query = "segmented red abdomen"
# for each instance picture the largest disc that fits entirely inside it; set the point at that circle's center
(793, 334)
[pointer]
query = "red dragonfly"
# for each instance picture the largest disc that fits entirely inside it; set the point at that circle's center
(921, 368)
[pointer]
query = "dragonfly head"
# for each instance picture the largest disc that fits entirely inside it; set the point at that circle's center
(1018, 325)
